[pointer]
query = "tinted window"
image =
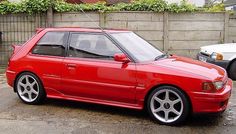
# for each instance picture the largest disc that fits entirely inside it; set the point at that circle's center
(92, 46)
(52, 43)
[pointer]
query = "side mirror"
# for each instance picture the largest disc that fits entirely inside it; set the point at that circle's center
(121, 58)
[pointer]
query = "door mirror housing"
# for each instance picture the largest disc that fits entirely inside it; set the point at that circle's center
(121, 58)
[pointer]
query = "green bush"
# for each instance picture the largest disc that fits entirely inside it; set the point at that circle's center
(216, 8)
(182, 7)
(62, 6)
(144, 5)
(37, 6)
(26, 6)
(138, 5)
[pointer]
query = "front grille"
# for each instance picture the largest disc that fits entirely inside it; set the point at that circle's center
(202, 53)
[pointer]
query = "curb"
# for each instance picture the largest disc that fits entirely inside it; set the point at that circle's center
(2, 70)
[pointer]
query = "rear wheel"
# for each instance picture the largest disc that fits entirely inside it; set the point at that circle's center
(168, 105)
(232, 71)
(30, 89)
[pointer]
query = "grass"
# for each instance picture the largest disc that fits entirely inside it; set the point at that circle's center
(2, 69)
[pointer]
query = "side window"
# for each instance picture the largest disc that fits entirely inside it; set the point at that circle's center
(96, 46)
(52, 43)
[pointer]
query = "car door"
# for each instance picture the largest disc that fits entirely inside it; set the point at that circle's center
(46, 59)
(91, 72)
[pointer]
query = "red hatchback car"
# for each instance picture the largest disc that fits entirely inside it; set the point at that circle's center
(118, 68)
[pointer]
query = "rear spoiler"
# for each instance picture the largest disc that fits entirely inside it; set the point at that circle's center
(38, 30)
(16, 47)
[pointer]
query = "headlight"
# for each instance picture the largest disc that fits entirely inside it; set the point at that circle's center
(216, 56)
(212, 86)
(218, 84)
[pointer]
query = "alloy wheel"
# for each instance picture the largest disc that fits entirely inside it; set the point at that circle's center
(166, 105)
(28, 88)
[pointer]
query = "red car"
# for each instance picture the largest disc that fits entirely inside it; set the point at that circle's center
(118, 68)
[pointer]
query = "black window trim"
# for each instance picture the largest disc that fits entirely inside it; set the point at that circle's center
(121, 48)
(98, 33)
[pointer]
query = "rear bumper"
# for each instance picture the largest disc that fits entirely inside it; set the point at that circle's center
(212, 102)
(10, 77)
(222, 63)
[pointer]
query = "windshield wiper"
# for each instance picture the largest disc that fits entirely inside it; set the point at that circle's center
(161, 56)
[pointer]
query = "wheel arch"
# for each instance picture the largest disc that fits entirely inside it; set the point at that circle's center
(230, 63)
(160, 85)
(14, 86)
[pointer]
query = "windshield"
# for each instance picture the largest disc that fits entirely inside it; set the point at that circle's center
(137, 47)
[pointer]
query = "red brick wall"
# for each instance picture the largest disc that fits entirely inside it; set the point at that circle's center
(82, 1)
(90, 1)
(109, 2)
(74, 1)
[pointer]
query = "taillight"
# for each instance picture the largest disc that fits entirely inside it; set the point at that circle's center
(8, 63)
(15, 48)
(11, 54)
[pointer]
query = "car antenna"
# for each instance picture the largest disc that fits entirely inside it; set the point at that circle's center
(91, 19)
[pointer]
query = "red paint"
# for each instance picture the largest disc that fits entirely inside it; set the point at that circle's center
(121, 58)
(123, 84)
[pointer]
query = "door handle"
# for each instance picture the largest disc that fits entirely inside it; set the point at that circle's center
(71, 65)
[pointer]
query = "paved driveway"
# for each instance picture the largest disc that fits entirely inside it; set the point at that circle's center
(57, 116)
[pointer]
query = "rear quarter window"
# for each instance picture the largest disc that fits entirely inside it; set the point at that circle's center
(52, 44)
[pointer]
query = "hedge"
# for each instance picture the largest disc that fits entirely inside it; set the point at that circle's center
(38, 6)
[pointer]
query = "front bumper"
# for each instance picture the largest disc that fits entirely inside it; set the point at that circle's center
(212, 102)
(222, 63)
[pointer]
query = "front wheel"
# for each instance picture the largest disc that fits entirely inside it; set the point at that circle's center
(29, 88)
(168, 105)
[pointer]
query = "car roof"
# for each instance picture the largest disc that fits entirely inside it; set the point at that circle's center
(81, 29)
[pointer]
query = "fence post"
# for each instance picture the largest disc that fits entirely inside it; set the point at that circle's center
(166, 31)
(37, 20)
(102, 17)
(0, 38)
(50, 17)
(226, 28)
(1, 43)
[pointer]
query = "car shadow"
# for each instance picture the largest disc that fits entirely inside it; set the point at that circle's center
(204, 120)
(199, 120)
(97, 108)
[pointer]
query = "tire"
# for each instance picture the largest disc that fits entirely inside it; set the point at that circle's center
(29, 88)
(232, 71)
(172, 109)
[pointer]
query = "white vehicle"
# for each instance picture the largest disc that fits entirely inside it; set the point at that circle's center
(223, 55)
